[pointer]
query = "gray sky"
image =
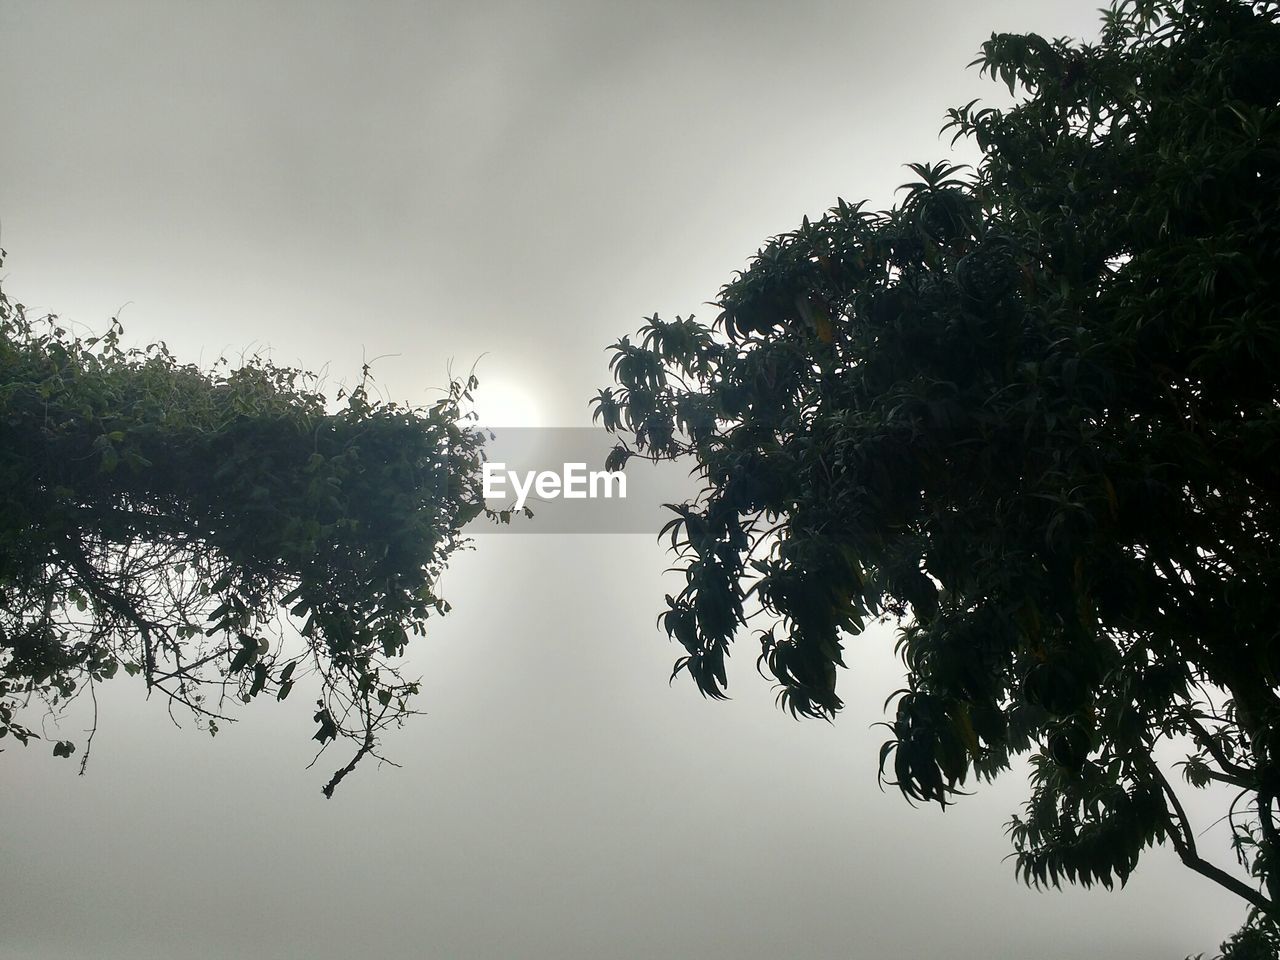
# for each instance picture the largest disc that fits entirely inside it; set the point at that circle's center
(431, 183)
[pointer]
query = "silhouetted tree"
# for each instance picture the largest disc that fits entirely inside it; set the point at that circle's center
(1031, 413)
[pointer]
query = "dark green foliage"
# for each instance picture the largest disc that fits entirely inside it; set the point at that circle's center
(1033, 414)
(179, 523)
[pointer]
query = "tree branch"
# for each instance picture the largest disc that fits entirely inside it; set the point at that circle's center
(1184, 843)
(1205, 739)
(366, 747)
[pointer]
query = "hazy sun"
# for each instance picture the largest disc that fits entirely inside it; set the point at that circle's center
(502, 401)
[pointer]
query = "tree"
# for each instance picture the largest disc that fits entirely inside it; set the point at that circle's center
(1032, 414)
(181, 523)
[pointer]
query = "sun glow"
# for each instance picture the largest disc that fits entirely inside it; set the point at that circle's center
(502, 401)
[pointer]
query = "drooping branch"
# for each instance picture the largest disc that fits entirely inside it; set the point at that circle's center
(1184, 843)
(365, 748)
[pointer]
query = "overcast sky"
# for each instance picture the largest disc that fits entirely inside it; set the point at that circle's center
(514, 185)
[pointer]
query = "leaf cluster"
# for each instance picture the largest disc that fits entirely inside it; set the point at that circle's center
(184, 524)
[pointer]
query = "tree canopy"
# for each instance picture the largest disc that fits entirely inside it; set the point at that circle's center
(1032, 414)
(191, 525)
